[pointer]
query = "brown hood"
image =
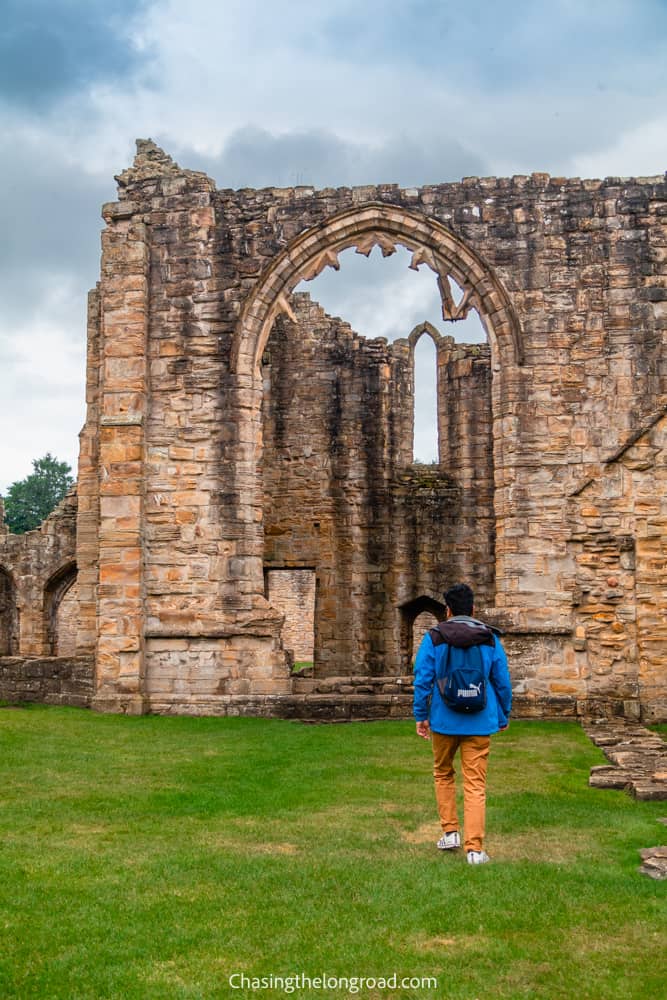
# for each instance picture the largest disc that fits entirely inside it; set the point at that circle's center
(462, 633)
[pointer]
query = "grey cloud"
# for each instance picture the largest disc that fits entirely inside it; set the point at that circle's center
(50, 221)
(254, 157)
(502, 47)
(51, 47)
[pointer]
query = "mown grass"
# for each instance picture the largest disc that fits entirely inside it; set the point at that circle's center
(300, 665)
(153, 857)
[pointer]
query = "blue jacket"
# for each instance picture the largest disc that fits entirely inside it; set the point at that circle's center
(428, 703)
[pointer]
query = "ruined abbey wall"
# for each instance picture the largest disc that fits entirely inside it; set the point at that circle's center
(37, 572)
(206, 463)
(619, 546)
(341, 493)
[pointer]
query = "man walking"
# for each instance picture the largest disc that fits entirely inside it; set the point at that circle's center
(465, 727)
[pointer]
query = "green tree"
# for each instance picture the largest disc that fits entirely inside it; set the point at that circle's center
(32, 499)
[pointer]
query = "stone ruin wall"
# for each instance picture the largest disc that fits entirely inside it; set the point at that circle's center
(341, 493)
(37, 569)
(39, 614)
(619, 546)
(182, 475)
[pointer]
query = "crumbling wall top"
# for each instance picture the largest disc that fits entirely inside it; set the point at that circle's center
(151, 166)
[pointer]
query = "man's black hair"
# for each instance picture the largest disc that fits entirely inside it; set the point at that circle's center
(459, 599)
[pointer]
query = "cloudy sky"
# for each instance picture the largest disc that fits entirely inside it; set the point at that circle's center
(282, 92)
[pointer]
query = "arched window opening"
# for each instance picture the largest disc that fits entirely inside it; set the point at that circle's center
(336, 440)
(61, 605)
(387, 297)
(378, 296)
(9, 637)
(425, 439)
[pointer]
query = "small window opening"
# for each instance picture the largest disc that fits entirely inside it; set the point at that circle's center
(416, 618)
(425, 441)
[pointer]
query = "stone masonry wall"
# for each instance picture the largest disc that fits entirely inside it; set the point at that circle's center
(465, 435)
(39, 614)
(31, 567)
(328, 459)
(53, 680)
(182, 501)
(583, 263)
(569, 279)
(341, 494)
(619, 543)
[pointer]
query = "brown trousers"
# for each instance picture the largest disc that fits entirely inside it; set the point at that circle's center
(474, 752)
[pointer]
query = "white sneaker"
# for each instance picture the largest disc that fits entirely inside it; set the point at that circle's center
(449, 841)
(478, 857)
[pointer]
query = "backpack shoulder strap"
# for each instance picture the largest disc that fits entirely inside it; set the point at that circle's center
(437, 638)
(444, 662)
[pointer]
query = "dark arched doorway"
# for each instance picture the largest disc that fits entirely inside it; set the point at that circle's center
(417, 617)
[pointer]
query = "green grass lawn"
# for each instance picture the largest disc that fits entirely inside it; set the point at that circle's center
(156, 857)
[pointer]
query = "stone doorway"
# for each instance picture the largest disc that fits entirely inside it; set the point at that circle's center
(61, 601)
(417, 617)
(293, 592)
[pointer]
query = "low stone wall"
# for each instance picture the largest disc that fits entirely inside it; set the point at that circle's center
(65, 680)
(306, 707)
(358, 698)
(48, 680)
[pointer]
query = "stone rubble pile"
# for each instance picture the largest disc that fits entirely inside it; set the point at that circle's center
(654, 862)
(638, 759)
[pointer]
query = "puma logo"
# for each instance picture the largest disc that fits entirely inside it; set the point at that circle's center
(472, 691)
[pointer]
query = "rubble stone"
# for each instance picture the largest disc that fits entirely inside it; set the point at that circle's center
(638, 759)
(654, 862)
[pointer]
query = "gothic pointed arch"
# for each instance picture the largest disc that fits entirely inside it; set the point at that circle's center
(60, 607)
(365, 227)
(422, 329)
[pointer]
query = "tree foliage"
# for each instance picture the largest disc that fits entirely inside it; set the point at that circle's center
(32, 499)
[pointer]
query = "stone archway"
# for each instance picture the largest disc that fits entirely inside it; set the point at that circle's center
(304, 258)
(364, 228)
(60, 611)
(424, 329)
(417, 617)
